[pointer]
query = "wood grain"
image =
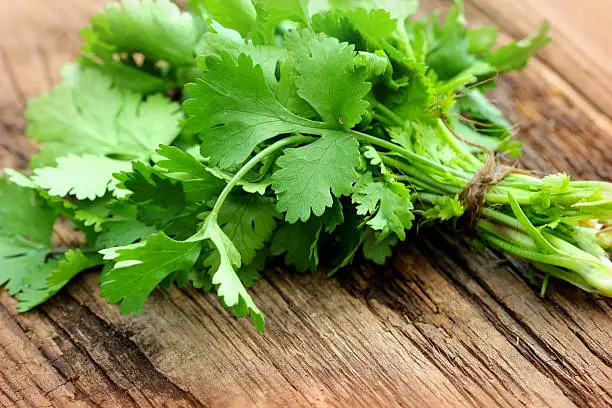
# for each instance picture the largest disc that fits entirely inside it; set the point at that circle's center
(440, 326)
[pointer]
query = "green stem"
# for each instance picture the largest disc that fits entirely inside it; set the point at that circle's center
(382, 109)
(251, 163)
(406, 154)
(457, 145)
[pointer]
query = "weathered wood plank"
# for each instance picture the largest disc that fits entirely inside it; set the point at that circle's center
(441, 326)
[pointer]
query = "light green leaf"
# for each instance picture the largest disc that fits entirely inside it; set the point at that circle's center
(514, 56)
(71, 119)
(238, 15)
(85, 177)
(157, 29)
(23, 214)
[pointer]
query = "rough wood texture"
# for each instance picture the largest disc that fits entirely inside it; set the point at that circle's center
(440, 326)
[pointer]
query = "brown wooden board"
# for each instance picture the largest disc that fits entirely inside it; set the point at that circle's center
(439, 326)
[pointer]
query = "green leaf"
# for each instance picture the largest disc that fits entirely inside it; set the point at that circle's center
(248, 221)
(72, 119)
(199, 182)
(376, 249)
(400, 9)
(445, 208)
(308, 175)
(139, 269)
(147, 185)
(234, 110)
(26, 225)
(157, 29)
(19, 259)
(482, 39)
(24, 214)
(299, 244)
(123, 227)
(51, 277)
(327, 80)
(514, 56)
(230, 289)
(270, 13)
(85, 177)
(238, 15)
(222, 40)
(390, 205)
(491, 121)
(349, 237)
(249, 274)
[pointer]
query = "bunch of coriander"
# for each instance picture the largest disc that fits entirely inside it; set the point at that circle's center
(195, 146)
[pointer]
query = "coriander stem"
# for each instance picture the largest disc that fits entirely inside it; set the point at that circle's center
(405, 153)
(386, 111)
(251, 163)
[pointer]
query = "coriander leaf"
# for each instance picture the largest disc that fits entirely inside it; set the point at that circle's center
(400, 9)
(287, 92)
(248, 221)
(445, 208)
(333, 216)
(374, 24)
(199, 182)
(482, 39)
(157, 29)
(230, 289)
(159, 198)
(299, 244)
(123, 227)
(308, 175)
(349, 237)
(87, 115)
(279, 10)
(234, 110)
(140, 268)
(249, 274)
(514, 56)
(149, 185)
(19, 259)
(226, 40)
(389, 203)
(26, 225)
(327, 80)
(270, 13)
(238, 15)
(24, 214)
(50, 278)
(375, 159)
(85, 177)
(376, 249)
(416, 101)
(74, 262)
(476, 106)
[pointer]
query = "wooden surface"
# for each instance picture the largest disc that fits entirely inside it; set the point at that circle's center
(440, 326)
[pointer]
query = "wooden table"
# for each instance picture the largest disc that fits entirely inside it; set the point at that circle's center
(440, 326)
